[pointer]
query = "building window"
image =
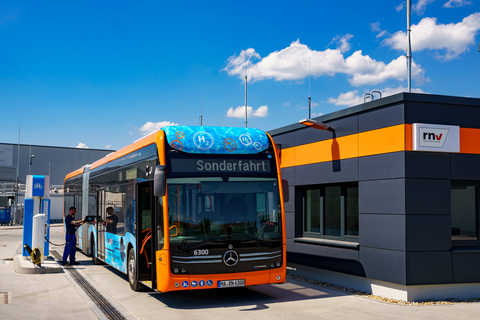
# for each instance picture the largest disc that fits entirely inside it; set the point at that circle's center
(331, 212)
(464, 211)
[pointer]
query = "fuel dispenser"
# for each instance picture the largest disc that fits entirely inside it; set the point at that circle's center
(36, 218)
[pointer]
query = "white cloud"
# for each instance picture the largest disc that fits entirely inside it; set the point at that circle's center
(421, 6)
(82, 146)
(400, 6)
(342, 42)
(239, 64)
(298, 61)
(375, 27)
(150, 127)
(453, 39)
(239, 112)
(314, 115)
(108, 146)
(456, 3)
(352, 98)
(382, 34)
(286, 104)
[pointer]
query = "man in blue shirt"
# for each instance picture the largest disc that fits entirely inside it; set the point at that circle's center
(70, 238)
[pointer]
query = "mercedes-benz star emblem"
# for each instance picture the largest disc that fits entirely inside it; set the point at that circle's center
(230, 258)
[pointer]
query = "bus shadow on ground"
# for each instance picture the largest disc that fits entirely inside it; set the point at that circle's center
(255, 298)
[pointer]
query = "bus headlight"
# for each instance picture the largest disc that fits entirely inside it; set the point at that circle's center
(175, 270)
(184, 270)
(272, 265)
(278, 263)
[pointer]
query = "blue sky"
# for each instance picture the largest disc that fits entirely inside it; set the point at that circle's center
(102, 74)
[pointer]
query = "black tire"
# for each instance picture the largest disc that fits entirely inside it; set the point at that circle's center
(92, 248)
(132, 271)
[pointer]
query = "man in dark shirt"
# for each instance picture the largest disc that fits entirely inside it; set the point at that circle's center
(70, 238)
(112, 221)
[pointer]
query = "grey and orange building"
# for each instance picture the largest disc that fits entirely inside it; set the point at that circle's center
(388, 202)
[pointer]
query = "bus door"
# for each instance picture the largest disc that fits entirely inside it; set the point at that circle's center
(146, 237)
(77, 203)
(101, 216)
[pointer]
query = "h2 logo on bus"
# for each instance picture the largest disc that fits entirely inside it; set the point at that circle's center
(200, 252)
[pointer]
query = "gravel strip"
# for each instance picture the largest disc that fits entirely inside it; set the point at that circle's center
(379, 298)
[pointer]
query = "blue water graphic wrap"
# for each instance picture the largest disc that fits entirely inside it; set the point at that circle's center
(216, 140)
(115, 251)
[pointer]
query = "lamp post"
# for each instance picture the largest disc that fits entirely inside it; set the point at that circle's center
(30, 165)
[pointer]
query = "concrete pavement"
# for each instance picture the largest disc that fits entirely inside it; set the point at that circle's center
(57, 296)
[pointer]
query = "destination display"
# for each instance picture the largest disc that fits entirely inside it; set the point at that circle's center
(220, 166)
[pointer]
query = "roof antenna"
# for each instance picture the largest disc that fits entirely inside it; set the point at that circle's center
(201, 117)
(409, 46)
(245, 98)
(309, 98)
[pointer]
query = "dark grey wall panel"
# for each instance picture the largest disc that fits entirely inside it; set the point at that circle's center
(290, 246)
(382, 166)
(290, 205)
(385, 265)
(327, 172)
(325, 251)
(343, 127)
(428, 232)
(466, 267)
(286, 140)
(382, 196)
(380, 118)
(382, 231)
(427, 196)
(434, 113)
(460, 162)
(465, 116)
(290, 224)
(289, 175)
(339, 265)
(429, 268)
(435, 165)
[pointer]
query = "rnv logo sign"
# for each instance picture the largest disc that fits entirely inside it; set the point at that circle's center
(432, 137)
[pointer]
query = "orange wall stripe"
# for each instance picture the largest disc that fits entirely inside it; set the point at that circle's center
(385, 140)
(469, 140)
(408, 137)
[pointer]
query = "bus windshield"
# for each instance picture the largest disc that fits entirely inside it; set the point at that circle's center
(202, 209)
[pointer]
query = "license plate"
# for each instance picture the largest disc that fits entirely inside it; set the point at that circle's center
(231, 283)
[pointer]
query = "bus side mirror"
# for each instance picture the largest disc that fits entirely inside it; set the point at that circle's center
(160, 181)
(286, 191)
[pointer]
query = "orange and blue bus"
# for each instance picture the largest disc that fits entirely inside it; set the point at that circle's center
(185, 208)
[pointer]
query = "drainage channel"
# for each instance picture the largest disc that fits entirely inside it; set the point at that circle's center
(103, 304)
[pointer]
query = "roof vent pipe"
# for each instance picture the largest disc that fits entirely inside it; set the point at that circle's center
(371, 96)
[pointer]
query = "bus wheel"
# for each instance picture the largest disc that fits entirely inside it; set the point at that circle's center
(92, 246)
(132, 271)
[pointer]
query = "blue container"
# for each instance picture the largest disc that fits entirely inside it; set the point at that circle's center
(8, 216)
(5, 215)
